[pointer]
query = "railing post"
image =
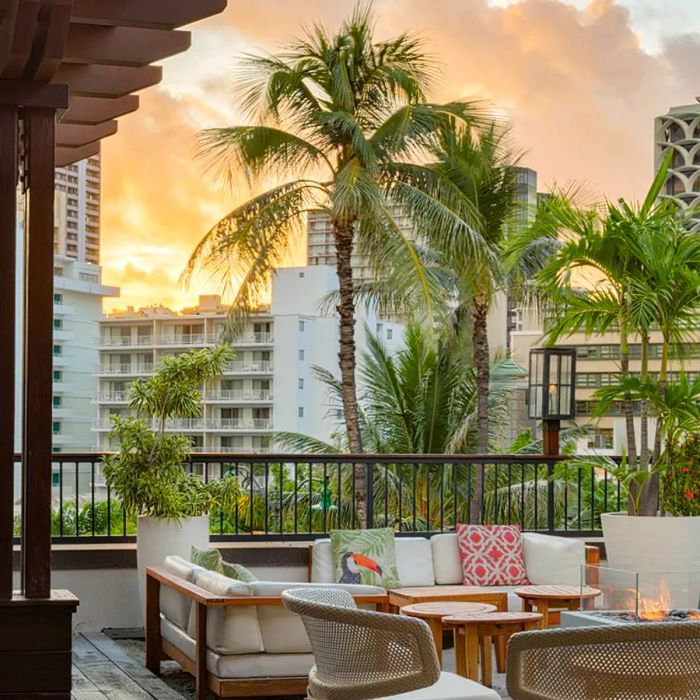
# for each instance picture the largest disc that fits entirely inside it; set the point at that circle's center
(369, 496)
(550, 496)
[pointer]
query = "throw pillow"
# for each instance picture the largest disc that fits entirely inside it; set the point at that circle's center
(492, 555)
(238, 572)
(365, 556)
(208, 558)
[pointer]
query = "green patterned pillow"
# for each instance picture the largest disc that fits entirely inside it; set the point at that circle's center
(238, 572)
(365, 556)
(208, 558)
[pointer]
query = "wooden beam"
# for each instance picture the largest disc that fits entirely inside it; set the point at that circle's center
(24, 93)
(95, 110)
(8, 257)
(106, 81)
(67, 156)
(145, 13)
(21, 40)
(74, 136)
(122, 46)
(38, 355)
(49, 40)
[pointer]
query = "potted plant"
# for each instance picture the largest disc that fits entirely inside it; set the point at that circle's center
(147, 473)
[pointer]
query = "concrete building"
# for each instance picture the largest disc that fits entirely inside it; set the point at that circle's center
(270, 384)
(679, 131)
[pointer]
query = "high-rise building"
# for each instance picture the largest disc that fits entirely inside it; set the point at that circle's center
(78, 186)
(268, 387)
(679, 131)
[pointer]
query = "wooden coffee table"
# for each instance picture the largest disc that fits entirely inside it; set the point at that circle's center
(474, 633)
(433, 613)
(544, 598)
(399, 597)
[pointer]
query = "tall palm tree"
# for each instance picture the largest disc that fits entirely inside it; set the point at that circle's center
(340, 123)
(481, 167)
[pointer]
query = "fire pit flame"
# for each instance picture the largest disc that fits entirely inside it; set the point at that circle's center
(661, 608)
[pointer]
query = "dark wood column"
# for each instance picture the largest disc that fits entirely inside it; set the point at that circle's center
(8, 236)
(40, 124)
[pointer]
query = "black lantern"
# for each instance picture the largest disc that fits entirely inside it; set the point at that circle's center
(551, 391)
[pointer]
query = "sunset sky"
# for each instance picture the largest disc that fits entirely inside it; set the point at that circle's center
(581, 82)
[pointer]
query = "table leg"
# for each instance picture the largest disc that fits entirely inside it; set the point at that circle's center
(500, 647)
(527, 605)
(471, 633)
(543, 608)
(460, 652)
(436, 628)
(486, 651)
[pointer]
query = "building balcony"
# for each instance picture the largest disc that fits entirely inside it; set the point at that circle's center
(112, 397)
(251, 367)
(125, 342)
(60, 310)
(231, 450)
(239, 396)
(238, 424)
(185, 339)
(125, 370)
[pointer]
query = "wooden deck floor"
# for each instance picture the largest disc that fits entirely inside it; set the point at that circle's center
(101, 669)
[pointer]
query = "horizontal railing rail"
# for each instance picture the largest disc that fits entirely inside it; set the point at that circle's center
(302, 496)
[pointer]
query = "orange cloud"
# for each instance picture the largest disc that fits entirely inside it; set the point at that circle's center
(580, 89)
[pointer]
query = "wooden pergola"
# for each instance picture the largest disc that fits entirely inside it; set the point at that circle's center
(68, 70)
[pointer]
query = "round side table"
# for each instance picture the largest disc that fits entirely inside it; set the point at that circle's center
(475, 632)
(543, 598)
(433, 614)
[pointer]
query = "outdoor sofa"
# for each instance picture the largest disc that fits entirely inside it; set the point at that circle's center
(255, 647)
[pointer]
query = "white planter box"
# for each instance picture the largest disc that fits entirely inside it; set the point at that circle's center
(157, 539)
(646, 545)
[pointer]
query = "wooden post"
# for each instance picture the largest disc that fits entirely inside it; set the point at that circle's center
(40, 124)
(550, 437)
(201, 652)
(8, 253)
(153, 640)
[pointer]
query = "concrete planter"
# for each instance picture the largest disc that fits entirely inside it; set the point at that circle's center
(157, 539)
(646, 545)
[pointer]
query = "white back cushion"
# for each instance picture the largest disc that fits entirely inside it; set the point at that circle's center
(282, 631)
(230, 630)
(414, 560)
(175, 606)
(553, 560)
(446, 559)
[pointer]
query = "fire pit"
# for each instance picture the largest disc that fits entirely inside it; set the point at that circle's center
(638, 598)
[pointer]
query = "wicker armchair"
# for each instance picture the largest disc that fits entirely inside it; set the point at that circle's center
(626, 662)
(361, 654)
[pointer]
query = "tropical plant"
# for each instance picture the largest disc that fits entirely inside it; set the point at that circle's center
(636, 268)
(346, 118)
(147, 473)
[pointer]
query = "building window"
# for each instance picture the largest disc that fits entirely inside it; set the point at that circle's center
(301, 353)
(301, 383)
(58, 298)
(301, 411)
(301, 274)
(57, 375)
(56, 427)
(57, 350)
(301, 326)
(57, 324)
(56, 401)
(389, 333)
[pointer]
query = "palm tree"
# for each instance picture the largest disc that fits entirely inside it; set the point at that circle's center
(341, 123)
(481, 167)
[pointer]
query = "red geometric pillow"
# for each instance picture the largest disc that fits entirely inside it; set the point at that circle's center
(492, 555)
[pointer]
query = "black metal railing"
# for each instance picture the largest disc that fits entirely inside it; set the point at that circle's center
(297, 496)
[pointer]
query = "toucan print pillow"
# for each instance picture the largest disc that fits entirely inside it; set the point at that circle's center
(365, 556)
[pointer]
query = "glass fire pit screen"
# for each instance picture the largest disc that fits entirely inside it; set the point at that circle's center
(628, 596)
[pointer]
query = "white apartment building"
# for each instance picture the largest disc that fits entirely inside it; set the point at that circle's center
(269, 386)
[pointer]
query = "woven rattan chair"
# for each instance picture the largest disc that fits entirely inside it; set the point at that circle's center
(362, 654)
(647, 661)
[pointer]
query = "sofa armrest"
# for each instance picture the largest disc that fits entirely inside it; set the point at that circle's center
(592, 555)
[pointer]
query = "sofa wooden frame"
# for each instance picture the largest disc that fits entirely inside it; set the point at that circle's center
(159, 649)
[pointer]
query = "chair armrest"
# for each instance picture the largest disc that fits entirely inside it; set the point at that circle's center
(592, 555)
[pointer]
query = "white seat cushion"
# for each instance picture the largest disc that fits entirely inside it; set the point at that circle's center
(240, 665)
(414, 560)
(449, 687)
(553, 560)
(174, 605)
(230, 630)
(282, 631)
(446, 559)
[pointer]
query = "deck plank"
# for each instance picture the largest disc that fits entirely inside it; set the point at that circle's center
(83, 687)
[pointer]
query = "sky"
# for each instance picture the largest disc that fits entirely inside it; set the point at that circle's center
(581, 81)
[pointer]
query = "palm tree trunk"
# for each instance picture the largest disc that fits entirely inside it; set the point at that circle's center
(346, 310)
(644, 407)
(480, 353)
(627, 403)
